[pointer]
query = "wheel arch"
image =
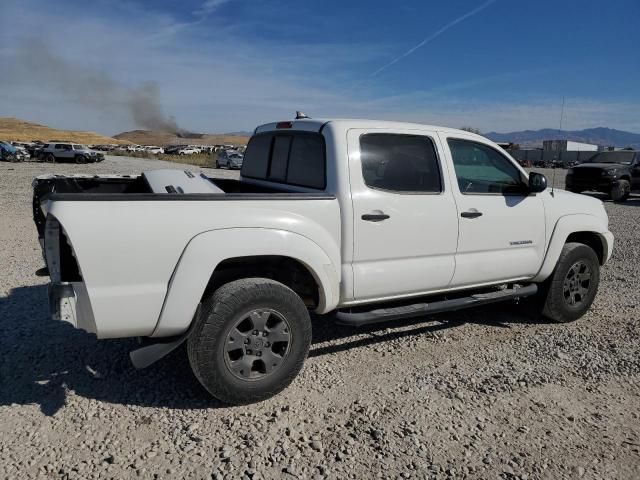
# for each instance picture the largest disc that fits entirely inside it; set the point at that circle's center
(216, 257)
(581, 228)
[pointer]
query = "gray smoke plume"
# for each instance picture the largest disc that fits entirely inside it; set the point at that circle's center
(37, 64)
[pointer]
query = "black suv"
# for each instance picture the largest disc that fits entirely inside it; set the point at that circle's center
(615, 173)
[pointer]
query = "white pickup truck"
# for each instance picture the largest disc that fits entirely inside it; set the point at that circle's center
(357, 221)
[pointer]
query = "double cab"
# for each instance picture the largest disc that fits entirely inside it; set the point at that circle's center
(354, 221)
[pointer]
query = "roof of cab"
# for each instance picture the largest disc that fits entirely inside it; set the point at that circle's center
(317, 124)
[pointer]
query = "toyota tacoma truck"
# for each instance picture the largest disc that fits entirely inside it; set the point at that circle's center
(355, 221)
(616, 174)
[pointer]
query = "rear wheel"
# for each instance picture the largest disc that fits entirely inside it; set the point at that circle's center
(621, 191)
(250, 340)
(572, 287)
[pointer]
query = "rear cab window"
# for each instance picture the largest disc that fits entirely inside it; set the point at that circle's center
(294, 158)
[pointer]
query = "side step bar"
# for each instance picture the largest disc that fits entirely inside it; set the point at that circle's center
(396, 313)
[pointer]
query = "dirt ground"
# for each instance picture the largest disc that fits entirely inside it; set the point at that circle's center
(489, 393)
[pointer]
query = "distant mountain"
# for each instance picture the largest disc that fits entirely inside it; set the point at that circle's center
(598, 136)
(23, 131)
(147, 137)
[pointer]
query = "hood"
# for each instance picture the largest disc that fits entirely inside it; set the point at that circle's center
(604, 166)
(568, 203)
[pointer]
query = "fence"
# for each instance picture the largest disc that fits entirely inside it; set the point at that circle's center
(564, 158)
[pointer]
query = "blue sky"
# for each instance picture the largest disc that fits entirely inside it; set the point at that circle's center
(228, 65)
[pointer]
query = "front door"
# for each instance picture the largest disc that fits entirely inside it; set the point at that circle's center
(405, 221)
(502, 226)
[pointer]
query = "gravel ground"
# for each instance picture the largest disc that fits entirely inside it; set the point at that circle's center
(489, 393)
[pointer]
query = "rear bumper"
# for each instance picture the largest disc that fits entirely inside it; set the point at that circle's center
(69, 302)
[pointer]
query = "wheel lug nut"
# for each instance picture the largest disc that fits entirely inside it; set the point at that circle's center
(259, 354)
(267, 344)
(255, 332)
(264, 334)
(246, 341)
(248, 352)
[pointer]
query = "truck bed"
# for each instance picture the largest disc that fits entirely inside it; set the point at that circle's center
(137, 187)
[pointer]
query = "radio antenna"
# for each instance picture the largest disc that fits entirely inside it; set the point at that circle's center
(553, 178)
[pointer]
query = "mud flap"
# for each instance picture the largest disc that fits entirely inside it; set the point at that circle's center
(150, 354)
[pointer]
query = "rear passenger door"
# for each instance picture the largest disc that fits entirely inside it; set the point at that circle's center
(404, 216)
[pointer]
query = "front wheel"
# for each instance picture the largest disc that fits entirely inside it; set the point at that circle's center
(573, 285)
(50, 158)
(81, 159)
(250, 340)
(620, 192)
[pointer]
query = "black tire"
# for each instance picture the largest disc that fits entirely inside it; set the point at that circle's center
(211, 346)
(563, 285)
(81, 159)
(217, 163)
(49, 158)
(621, 191)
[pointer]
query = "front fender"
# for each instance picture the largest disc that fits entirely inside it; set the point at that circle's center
(206, 250)
(564, 227)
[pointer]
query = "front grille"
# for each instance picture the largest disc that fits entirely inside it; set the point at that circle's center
(587, 173)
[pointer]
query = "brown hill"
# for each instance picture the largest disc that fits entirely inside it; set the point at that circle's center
(147, 137)
(21, 131)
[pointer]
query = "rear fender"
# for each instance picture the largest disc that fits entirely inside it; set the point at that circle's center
(206, 250)
(564, 227)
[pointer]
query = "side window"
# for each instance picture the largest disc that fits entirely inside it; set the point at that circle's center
(400, 163)
(58, 147)
(481, 169)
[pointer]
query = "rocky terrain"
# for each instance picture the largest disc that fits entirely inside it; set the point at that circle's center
(491, 393)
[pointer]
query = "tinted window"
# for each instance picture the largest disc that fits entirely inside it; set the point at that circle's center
(256, 157)
(306, 162)
(481, 169)
(400, 163)
(296, 158)
(279, 158)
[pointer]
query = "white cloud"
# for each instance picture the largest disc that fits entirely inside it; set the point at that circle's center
(209, 6)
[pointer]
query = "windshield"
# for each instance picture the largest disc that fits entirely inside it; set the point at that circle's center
(612, 157)
(8, 147)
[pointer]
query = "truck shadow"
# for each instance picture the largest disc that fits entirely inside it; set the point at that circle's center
(42, 360)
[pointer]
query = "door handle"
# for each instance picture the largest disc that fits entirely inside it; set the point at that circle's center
(374, 217)
(471, 214)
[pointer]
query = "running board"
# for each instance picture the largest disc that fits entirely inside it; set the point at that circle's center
(396, 313)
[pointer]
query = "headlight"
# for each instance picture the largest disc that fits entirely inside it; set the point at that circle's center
(609, 173)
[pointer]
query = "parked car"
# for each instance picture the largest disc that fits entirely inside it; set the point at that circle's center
(9, 153)
(359, 221)
(153, 149)
(60, 152)
(229, 159)
(615, 173)
(187, 151)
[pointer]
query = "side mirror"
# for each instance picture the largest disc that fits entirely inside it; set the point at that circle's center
(537, 182)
